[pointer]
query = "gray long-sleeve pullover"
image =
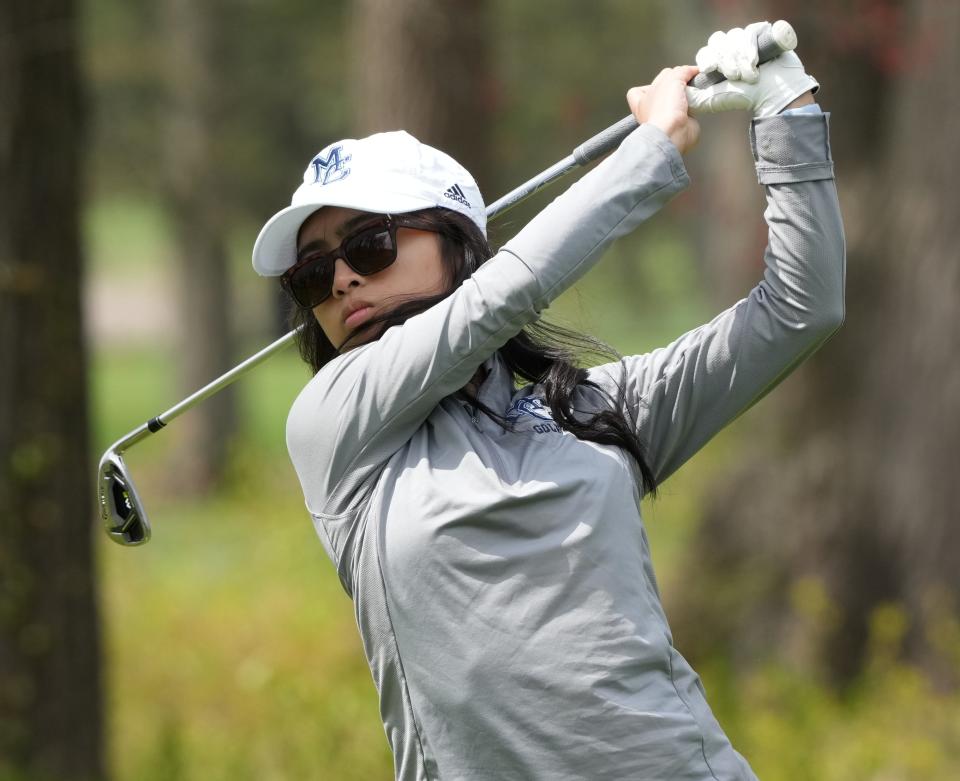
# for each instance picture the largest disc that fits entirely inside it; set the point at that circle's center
(502, 580)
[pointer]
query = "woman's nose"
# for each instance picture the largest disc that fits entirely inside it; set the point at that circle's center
(344, 278)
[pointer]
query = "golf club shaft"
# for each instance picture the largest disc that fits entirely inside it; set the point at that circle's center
(156, 423)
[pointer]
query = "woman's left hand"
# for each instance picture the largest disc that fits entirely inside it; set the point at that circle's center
(764, 90)
(664, 105)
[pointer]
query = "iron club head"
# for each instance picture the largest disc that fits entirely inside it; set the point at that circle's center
(120, 508)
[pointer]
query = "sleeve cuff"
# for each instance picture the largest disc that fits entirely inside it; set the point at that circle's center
(791, 148)
(662, 141)
(809, 108)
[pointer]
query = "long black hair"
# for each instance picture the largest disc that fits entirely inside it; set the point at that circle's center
(542, 353)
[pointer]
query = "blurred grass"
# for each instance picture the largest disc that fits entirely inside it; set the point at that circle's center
(894, 725)
(232, 651)
(231, 648)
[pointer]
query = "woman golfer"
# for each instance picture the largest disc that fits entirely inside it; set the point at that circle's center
(477, 492)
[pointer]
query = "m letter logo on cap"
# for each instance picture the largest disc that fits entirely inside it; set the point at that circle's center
(331, 168)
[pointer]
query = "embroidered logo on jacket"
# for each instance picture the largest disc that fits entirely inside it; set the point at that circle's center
(532, 407)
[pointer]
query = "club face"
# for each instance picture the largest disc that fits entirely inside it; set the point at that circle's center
(120, 509)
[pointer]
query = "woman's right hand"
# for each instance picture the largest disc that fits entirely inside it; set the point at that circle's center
(663, 104)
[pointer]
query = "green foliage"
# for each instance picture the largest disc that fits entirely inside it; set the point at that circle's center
(894, 725)
(643, 295)
(547, 60)
(282, 93)
(232, 651)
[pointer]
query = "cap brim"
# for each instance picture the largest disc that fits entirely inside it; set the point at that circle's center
(275, 249)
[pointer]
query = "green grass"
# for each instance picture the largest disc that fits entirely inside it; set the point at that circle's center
(232, 647)
(894, 725)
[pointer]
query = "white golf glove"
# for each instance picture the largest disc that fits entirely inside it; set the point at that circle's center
(765, 90)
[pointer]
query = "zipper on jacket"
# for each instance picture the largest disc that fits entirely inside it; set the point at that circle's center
(473, 415)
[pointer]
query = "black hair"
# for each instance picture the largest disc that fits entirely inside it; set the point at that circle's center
(542, 353)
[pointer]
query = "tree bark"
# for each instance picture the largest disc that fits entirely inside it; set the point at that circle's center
(730, 238)
(423, 66)
(195, 201)
(851, 490)
(50, 696)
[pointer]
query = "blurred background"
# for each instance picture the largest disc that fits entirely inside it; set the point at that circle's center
(809, 556)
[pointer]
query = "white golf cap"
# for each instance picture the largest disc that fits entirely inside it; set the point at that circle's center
(386, 173)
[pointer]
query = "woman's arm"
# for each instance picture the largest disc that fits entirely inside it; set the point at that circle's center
(686, 392)
(366, 403)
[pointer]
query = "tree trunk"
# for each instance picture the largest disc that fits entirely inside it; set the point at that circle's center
(730, 237)
(195, 201)
(849, 498)
(50, 698)
(423, 66)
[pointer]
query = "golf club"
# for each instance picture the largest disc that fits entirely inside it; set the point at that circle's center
(121, 510)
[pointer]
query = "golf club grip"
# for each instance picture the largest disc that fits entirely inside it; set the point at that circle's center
(605, 140)
(771, 43)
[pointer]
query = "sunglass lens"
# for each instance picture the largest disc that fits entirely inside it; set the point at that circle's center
(311, 284)
(370, 252)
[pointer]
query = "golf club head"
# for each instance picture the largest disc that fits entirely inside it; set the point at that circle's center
(120, 509)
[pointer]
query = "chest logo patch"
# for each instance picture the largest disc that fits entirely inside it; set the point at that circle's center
(531, 409)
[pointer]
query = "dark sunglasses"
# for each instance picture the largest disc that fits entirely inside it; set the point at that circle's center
(367, 250)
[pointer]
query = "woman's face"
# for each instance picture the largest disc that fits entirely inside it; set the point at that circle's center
(417, 271)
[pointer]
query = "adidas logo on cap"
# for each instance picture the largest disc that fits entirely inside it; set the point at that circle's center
(456, 194)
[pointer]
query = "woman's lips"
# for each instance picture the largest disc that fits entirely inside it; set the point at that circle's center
(357, 316)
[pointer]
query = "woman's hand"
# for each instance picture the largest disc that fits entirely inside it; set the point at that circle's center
(764, 90)
(664, 105)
